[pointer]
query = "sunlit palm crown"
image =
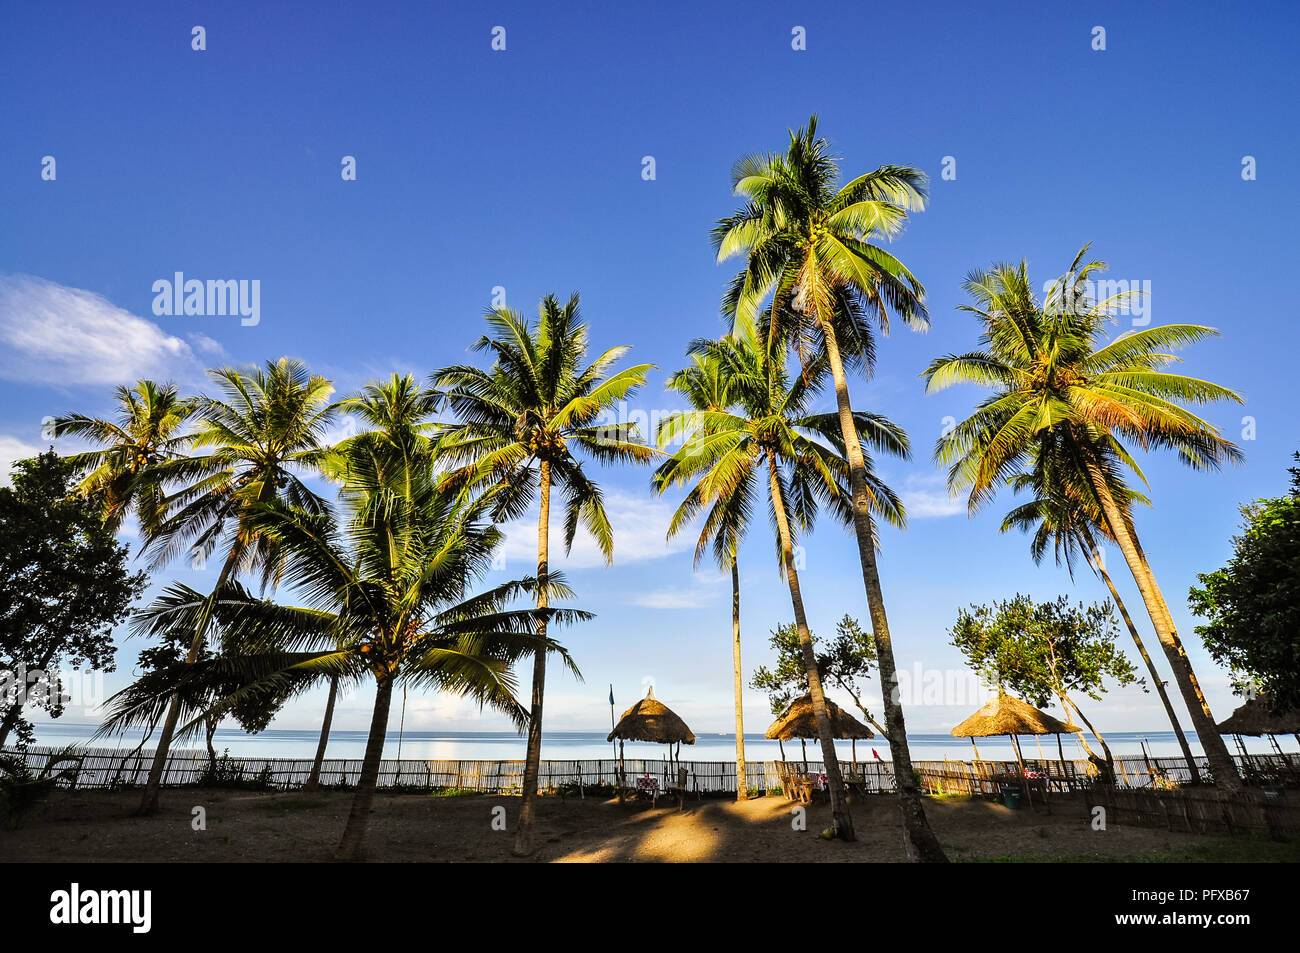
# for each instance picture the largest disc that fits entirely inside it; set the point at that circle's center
(398, 418)
(253, 443)
(811, 245)
(147, 429)
(1062, 392)
(386, 590)
(539, 402)
(724, 453)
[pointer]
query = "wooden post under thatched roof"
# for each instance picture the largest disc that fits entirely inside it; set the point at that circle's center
(651, 720)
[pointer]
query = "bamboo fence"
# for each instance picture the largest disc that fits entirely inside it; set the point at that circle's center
(106, 768)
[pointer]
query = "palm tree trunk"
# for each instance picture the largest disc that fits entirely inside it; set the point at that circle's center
(313, 779)
(1221, 764)
(153, 787)
(742, 786)
(359, 817)
(210, 726)
(1099, 566)
(533, 757)
(919, 841)
(841, 820)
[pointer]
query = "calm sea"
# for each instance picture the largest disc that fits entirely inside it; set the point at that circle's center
(575, 745)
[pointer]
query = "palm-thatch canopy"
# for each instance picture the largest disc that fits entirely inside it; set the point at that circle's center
(1254, 718)
(1005, 715)
(798, 721)
(652, 720)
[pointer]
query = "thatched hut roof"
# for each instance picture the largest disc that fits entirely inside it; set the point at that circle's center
(1254, 718)
(1005, 715)
(652, 720)
(798, 721)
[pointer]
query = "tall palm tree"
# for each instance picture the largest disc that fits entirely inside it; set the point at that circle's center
(398, 415)
(252, 445)
(387, 586)
(1062, 391)
(1053, 519)
(148, 428)
(519, 425)
(706, 386)
(809, 245)
(772, 437)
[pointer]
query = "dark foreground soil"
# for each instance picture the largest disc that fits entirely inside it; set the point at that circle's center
(243, 826)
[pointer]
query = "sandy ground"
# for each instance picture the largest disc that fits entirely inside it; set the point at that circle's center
(241, 826)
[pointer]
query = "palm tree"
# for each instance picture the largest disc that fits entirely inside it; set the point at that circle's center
(398, 412)
(520, 423)
(260, 440)
(809, 246)
(1055, 520)
(707, 388)
(774, 438)
(147, 429)
(388, 599)
(1061, 391)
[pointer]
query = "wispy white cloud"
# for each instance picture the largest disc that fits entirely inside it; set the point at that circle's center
(675, 599)
(11, 449)
(927, 497)
(51, 334)
(640, 524)
(206, 345)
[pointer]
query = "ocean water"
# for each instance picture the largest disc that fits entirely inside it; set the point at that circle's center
(583, 745)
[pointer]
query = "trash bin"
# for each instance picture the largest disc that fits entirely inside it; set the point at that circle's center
(1011, 798)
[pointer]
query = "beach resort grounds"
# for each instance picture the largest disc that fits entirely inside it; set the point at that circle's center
(97, 826)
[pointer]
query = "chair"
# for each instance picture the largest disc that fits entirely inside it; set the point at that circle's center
(679, 790)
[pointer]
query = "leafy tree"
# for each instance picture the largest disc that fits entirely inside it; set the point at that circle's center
(771, 437)
(1041, 651)
(812, 250)
(398, 416)
(252, 445)
(845, 662)
(1252, 604)
(1055, 520)
(388, 588)
(706, 385)
(64, 585)
(253, 712)
(523, 426)
(1063, 394)
(122, 475)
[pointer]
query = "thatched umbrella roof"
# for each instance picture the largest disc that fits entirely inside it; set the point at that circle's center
(1005, 715)
(1254, 718)
(798, 721)
(652, 720)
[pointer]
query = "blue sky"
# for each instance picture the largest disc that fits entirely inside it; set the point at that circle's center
(523, 169)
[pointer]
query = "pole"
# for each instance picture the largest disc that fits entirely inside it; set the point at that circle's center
(611, 713)
(401, 729)
(1020, 760)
